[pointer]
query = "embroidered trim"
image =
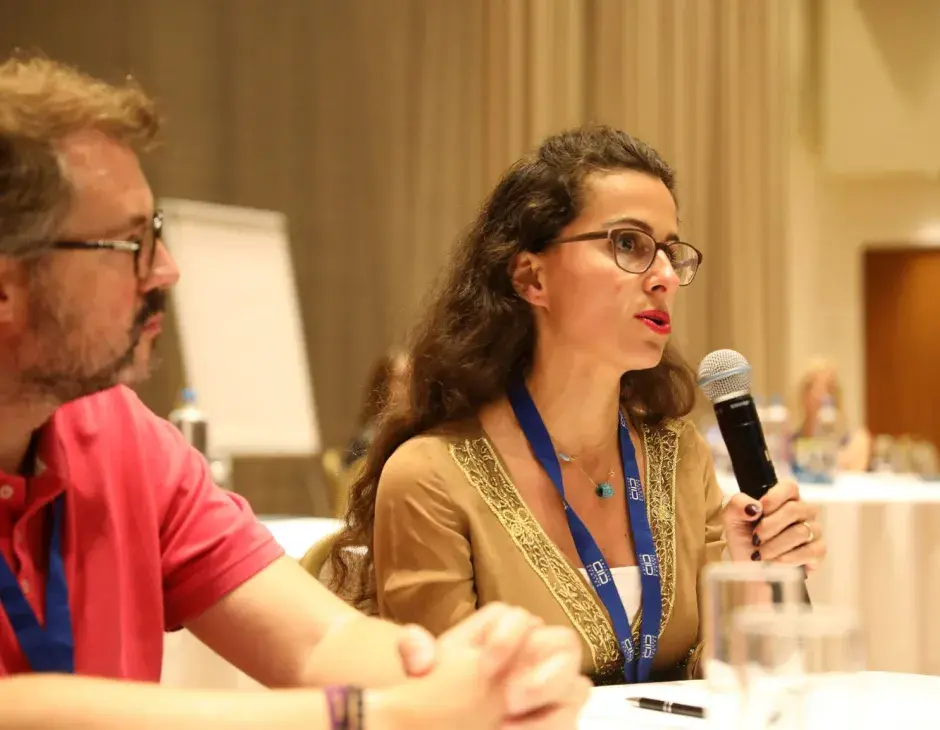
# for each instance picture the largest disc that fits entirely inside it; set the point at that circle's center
(483, 470)
(478, 461)
(661, 447)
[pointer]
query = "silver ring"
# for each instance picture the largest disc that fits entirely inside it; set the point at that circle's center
(812, 535)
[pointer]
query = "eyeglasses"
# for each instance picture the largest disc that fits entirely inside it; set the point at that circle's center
(143, 247)
(634, 251)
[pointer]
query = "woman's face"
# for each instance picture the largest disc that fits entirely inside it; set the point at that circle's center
(821, 385)
(585, 302)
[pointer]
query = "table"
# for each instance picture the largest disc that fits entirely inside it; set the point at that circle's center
(883, 536)
(886, 700)
(187, 662)
(297, 534)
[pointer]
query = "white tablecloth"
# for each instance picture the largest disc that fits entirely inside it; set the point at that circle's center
(883, 535)
(883, 700)
(297, 534)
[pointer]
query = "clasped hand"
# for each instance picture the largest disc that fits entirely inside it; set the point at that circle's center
(500, 668)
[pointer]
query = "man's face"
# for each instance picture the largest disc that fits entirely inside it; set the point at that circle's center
(91, 316)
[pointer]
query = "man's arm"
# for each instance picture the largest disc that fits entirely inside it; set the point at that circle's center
(48, 701)
(464, 690)
(285, 629)
(226, 579)
(270, 626)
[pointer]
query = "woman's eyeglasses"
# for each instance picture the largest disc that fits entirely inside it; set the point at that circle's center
(143, 247)
(634, 251)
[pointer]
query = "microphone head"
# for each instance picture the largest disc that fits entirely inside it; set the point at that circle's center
(724, 374)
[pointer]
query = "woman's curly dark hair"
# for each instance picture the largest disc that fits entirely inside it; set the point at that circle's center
(476, 331)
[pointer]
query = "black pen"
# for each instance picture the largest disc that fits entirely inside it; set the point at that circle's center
(673, 708)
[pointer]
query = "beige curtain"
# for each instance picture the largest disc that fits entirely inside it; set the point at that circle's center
(379, 125)
(704, 81)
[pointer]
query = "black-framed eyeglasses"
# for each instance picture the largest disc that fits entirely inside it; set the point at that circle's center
(144, 247)
(635, 250)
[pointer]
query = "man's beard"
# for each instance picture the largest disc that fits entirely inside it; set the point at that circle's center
(64, 376)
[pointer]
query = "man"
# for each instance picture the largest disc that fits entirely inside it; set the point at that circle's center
(111, 530)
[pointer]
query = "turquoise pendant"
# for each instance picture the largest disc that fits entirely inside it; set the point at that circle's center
(565, 458)
(604, 490)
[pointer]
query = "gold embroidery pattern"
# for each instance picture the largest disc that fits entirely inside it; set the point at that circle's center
(478, 461)
(661, 446)
(485, 473)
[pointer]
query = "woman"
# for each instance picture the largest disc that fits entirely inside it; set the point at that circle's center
(818, 389)
(544, 409)
(385, 383)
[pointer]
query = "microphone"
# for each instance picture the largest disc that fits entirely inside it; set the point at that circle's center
(725, 378)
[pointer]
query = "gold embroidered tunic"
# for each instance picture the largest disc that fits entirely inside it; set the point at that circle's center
(452, 534)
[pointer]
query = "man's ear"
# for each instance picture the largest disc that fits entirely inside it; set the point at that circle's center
(528, 278)
(12, 286)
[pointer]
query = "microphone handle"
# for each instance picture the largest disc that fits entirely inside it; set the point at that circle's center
(750, 460)
(742, 433)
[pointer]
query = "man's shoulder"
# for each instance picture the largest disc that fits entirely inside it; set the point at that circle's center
(114, 412)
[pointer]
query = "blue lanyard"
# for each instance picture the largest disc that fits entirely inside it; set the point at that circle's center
(637, 664)
(49, 649)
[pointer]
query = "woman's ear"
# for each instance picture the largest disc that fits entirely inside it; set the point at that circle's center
(528, 278)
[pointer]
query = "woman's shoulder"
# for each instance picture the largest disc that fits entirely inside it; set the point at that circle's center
(435, 443)
(692, 469)
(684, 437)
(425, 461)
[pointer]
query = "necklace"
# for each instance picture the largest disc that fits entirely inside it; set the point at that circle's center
(605, 489)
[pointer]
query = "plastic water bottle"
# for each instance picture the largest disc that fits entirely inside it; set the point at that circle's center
(194, 426)
(826, 441)
(191, 422)
(776, 422)
(882, 456)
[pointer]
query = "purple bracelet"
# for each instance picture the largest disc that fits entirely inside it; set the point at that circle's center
(337, 698)
(345, 706)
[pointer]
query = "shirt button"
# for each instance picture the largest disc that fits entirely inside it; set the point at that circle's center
(25, 584)
(6, 491)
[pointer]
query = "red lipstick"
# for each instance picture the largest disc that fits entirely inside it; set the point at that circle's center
(657, 320)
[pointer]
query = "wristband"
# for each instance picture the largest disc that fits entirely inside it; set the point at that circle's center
(355, 719)
(346, 708)
(336, 698)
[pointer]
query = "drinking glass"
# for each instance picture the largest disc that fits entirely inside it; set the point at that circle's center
(729, 588)
(800, 667)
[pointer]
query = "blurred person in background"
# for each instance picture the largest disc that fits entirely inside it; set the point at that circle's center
(342, 467)
(386, 382)
(543, 457)
(111, 530)
(819, 398)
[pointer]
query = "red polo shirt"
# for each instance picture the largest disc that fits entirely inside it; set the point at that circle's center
(149, 541)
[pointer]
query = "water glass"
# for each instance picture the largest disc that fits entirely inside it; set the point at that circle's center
(729, 588)
(800, 667)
